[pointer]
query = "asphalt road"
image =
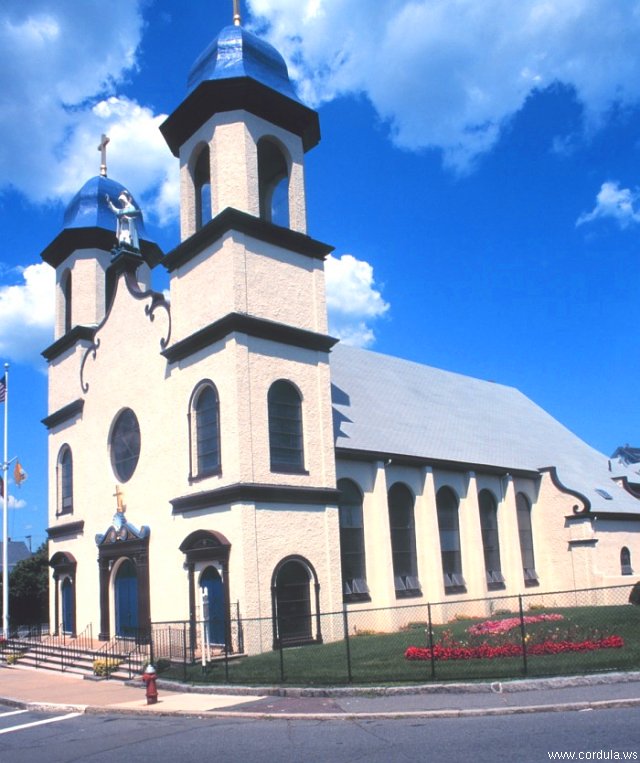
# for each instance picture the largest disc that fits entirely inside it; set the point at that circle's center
(29, 737)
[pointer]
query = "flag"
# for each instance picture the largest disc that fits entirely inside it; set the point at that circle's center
(3, 389)
(19, 474)
(1, 488)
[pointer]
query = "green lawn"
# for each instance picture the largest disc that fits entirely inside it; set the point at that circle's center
(379, 658)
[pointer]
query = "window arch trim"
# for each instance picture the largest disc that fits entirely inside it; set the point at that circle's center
(205, 453)
(64, 481)
(274, 174)
(525, 534)
(448, 515)
(353, 560)
(625, 561)
(286, 428)
(489, 530)
(200, 171)
(401, 508)
(66, 290)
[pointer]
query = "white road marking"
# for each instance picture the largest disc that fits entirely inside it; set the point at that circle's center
(40, 723)
(13, 712)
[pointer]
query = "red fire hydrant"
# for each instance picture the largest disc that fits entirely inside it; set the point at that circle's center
(150, 677)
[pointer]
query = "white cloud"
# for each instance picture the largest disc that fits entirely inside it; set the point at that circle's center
(60, 64)
(450, 73)
(27, 314)
(16, 503)
(353, 301)
(136, 154)
(615, 203)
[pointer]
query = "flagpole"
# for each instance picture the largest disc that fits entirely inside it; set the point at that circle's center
(5, 492)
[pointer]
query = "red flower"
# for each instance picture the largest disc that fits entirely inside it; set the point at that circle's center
(486, 651)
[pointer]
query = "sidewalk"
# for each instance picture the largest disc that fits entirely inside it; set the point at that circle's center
(49, 691)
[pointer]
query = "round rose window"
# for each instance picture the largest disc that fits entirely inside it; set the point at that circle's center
(125, 444)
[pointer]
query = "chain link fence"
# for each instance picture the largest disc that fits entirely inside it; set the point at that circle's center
(534, 634)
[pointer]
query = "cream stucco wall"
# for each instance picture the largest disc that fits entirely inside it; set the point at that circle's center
(125, 369)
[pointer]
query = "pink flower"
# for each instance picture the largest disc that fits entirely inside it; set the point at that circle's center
(496, 627)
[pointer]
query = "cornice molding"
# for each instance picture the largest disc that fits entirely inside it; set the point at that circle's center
(260, 328)
(65, 530)
(586, 503)
(399, 459)
(64, 414)
(231, 219)
(71, 338)
(254, 492)
(239, 93)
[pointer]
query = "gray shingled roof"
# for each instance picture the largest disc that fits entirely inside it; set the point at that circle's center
(16, 551)
(386, 405)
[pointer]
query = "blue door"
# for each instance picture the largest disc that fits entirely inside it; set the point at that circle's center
(211, 584)
(67, 606)
(126, 590)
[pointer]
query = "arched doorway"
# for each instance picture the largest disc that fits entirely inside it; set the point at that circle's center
(213, 609)
(126, 600)
(208, 550)
(291, 591)
(66, 590)
(64, 575)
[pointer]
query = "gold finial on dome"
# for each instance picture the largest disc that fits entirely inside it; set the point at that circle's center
(237, 20)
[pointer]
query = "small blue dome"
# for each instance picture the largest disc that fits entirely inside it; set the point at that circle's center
(238, 53)
(89, 208)
(90, 223)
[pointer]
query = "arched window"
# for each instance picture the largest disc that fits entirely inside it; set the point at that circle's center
(202, 184)
(65, 481)
(449, 530)
(625, 561)
(403, 541)
(285, 428)
(525, 531)
(205, 431)
(490, 540)
(65, 285)
(352, 556)
(273, 179)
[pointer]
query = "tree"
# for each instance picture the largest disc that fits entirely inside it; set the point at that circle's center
(29, 589)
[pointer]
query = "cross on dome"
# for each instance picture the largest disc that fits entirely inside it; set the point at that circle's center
(102, 148)
(237, 20)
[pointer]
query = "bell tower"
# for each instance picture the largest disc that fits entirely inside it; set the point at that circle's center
(241, 135)
(247, 282)
(82, 256)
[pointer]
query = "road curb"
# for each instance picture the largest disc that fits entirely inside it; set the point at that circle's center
(48, 707)
(492, 687)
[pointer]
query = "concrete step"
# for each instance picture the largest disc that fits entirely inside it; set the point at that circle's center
(66, 657)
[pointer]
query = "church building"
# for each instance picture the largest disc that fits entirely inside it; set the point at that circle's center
(215, 454)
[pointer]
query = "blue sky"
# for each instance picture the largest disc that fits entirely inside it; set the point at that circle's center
(477, 174)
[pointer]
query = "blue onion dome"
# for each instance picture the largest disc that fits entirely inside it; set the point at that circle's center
(89, 208)
(239, 53)
(90, 223)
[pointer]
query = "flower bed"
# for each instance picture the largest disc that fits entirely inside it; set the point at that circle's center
(496, 627)
(488, 651)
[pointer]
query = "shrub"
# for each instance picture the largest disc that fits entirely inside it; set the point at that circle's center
(163, 664)
(105, 667)
(634, 596)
